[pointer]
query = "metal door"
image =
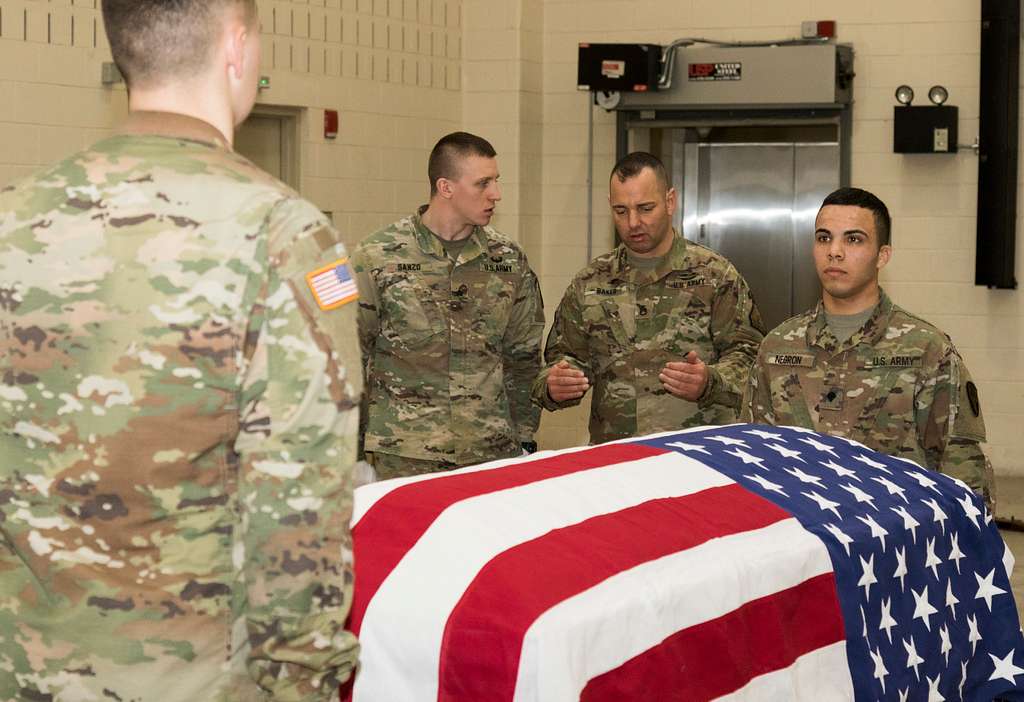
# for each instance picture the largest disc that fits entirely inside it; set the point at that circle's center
(755, 203)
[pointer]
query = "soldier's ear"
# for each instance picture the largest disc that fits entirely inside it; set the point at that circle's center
(884, 256)
(671, 201)
(444, 188)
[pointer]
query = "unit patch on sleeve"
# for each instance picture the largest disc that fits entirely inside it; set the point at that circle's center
(333, 286)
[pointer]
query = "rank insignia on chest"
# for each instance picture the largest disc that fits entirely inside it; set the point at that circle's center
(792, 359)
(333, 286)
(832, 399)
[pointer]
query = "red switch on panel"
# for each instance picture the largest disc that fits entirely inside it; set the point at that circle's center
(330, 124)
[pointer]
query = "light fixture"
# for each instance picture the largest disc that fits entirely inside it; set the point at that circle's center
(904, 95)
(937, 94)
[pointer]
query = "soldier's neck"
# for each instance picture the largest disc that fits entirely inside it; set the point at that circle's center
(190, 100)
(864, 300)
(445, 225)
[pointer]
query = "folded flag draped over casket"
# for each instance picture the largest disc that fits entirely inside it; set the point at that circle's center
(741, 562)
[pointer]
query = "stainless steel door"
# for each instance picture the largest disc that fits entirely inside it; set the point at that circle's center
(755, 204)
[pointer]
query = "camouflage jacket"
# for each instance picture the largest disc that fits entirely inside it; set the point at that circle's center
(897, 385)
(620, 326)
(178, 425)
(449, 348)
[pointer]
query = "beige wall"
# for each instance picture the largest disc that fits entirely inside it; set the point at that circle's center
(404, 72)
(393, 68)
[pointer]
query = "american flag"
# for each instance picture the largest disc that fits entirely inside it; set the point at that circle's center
(741, 563)
(332, 285)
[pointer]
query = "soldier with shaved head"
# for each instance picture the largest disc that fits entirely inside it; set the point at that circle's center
(662, 328)
(179, 383)
(450, 324)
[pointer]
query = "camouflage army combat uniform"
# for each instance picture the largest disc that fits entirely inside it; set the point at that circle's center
(450, 347)
(621, 325)
(897, 385)
(178, 422)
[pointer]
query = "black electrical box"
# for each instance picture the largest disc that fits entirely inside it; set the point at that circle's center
(930, 129)
(627, 68)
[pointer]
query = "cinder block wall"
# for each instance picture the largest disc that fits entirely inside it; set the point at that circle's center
(393, 68)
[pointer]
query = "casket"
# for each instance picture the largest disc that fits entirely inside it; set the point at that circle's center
(742, 562)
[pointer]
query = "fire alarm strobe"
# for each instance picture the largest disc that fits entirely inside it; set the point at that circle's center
(330, 124)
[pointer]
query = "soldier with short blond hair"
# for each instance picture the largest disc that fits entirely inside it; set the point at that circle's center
(179, 382)
(861, 367)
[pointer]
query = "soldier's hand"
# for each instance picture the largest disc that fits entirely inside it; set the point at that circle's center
(566, 383)
(687, 378)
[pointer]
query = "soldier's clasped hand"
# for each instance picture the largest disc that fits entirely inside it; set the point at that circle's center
(566, 382)
(687, 378)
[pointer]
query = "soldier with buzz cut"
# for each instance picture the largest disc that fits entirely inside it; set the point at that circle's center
(450, 323)
(663, 329)
(861, 367)
(179, 387)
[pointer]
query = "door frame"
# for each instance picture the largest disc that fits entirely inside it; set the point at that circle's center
(291, 140)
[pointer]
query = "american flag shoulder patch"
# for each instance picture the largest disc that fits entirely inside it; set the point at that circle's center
(333, 285)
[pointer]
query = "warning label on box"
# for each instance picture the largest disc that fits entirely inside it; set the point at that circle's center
(716, 71)
(613, 69)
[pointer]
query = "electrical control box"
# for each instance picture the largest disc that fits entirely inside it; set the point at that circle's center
(626, 68)
(925, 129)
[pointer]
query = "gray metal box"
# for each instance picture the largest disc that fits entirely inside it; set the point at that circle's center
(753, 76)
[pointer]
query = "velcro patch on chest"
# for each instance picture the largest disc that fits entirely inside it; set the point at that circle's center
(679, 283)
(802, 360)
(904, 361)
(608, 292)
(503, 267)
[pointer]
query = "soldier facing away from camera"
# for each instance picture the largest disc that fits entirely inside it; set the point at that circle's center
(179, 398)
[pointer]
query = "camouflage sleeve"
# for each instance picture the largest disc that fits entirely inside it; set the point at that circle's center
(736, 332)
(296, 452)
(521, 354)
(369, 328)
(566, 341)
(951, 426)
(756, 407)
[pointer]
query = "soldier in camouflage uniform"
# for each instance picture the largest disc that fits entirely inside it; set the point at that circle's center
(665, 330)
(860, 367)
(178, 411)
(450, 322)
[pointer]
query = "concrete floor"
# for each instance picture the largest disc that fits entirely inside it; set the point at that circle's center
(1010, 505)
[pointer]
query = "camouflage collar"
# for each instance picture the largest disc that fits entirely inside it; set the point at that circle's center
(676, 260)
(170, 124)
(818, 333)
(430, 244)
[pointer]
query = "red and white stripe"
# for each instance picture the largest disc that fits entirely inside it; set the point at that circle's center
(606, 573)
